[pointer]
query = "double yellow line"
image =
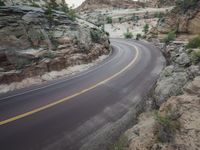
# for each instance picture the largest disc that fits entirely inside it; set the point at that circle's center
(72, 96)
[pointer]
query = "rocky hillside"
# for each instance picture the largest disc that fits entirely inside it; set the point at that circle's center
(97, 4)
(30, 2)
(184, 18)
(175, 126)
(38, 40)
(160, 3)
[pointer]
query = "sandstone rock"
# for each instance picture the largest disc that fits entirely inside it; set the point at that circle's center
(170, 86)
(184, 21)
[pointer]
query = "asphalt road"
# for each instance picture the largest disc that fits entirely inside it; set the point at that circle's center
(69, 113)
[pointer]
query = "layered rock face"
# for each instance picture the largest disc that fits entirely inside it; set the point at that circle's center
(29, 2)
(97, 4)
(34, 42)
(160, 3)
(176, 128)
(184, 20)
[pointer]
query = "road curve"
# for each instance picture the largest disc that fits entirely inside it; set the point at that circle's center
(79, 112)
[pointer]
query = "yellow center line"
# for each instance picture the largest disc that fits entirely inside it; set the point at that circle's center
(72, 96)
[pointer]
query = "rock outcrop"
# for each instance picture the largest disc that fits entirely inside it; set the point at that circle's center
(29, 2)
(98, 4)
(175, 126)
(160, 3)
(183, 18)
(34, 41)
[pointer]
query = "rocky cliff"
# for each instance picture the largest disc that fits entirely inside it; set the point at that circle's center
(97, 4)
(38, 40)
(184, 18)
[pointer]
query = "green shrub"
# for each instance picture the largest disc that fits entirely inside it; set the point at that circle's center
(138, 36)
(49, 12)
(72, 14)
(166, 126)
(146, 28)
(50, 55)
(170, 37)
(195, 56)
(22, 63)
(121, 144)
(2, 3)
(128, 34)
(194, 43)
(120, 19)
(185, 4)
(109, 20)
(95, 35)
(33, 4)
(159, 15)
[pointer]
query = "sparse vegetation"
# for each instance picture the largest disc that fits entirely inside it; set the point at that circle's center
(194, 43)
(159, 15)
(185, 4)
(22, 63)
(121, 144)
(138, 36)
(166, 126)
(135, 18)
(195, 56)
(120, 19)
(49, 12)
(146, 28)
(2, 3)
(170, 37)
(50, 55)
(95, 35)
(109, 20)
(128, 34)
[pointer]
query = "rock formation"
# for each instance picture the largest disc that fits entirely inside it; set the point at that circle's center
(38, 40)
(97, 4)
(175, 126)
(160, 3)
(184, 18)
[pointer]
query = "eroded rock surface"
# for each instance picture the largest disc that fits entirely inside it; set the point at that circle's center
(34, 42)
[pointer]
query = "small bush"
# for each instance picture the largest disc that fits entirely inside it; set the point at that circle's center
(170, 37)
(33, 4)
(50, 55)
(138, 36)
(21, 64)
(146, 28)
(128, 35)
(72, 14)
(2, 3)
(195, 56)
(167, 126)
(194, 43)
(185, 4)
(121, 144)
(95, 35)
(109, 20)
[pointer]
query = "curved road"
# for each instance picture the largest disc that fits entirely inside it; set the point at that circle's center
(83, 111)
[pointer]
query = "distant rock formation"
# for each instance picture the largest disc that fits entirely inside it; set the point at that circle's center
(97, 4)
(184, 18)
(159, 3)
